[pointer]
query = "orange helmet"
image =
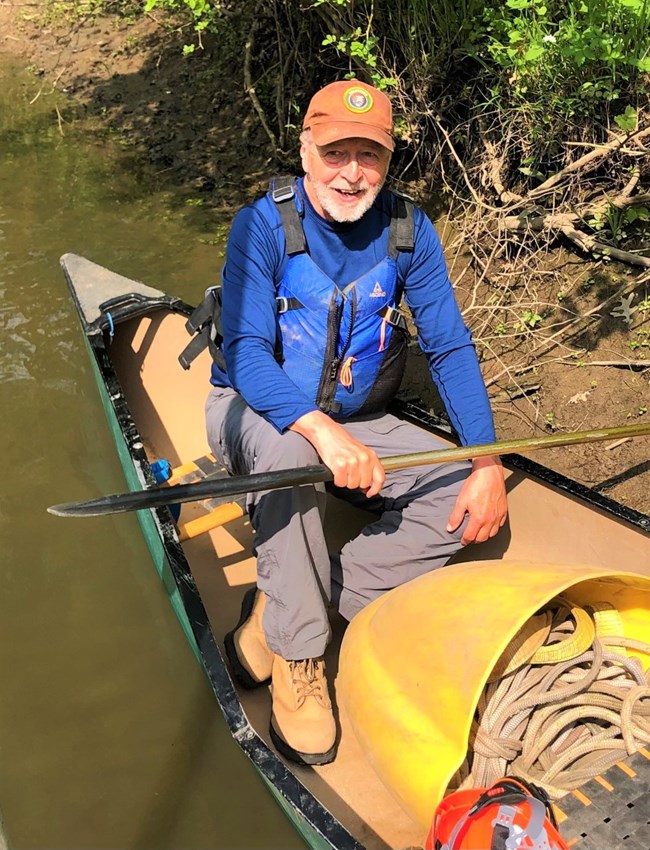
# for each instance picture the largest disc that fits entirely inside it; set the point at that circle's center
(510, 815)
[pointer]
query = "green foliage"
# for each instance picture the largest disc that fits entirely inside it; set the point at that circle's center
(55, 13)
(628, 120)
(616, 225)
(204, 14)
(460, 72)
(553, 66)
(642, 340)
(536, 69)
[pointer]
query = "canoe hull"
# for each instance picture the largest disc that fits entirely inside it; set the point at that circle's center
(132, 396)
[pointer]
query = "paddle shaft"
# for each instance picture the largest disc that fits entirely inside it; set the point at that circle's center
(505, 447)
(157, 497)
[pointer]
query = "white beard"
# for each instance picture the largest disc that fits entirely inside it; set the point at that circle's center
(341, 211)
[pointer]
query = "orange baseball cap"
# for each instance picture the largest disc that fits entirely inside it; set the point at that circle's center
(350, 109)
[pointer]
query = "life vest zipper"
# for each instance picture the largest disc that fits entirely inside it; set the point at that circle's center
(330, 377)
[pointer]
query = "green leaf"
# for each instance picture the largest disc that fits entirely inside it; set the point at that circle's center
(530, 172)
(533, 52)
(627, 120)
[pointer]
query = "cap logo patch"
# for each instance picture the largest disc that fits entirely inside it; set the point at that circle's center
(357, 100)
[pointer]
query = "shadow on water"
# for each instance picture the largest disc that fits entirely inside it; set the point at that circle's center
(109, 734)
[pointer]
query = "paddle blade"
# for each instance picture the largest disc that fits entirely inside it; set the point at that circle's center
(158, 497)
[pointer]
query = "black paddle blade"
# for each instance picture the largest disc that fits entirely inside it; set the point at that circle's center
(158, 497)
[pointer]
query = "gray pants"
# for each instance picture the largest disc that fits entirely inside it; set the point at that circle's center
(294, 568)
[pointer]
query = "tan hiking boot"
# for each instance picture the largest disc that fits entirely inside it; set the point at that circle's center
(246, 647)
(302, 723)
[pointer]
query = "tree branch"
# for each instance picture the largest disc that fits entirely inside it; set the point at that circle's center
(250, 90)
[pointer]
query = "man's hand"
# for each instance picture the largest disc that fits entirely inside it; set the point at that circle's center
(352, 464)
(483, 497)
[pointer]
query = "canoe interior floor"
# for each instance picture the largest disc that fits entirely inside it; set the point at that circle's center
(167, 406)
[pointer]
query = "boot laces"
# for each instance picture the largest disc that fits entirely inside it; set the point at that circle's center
(308, 679)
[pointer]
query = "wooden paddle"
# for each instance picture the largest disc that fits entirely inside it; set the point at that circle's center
(157, 497)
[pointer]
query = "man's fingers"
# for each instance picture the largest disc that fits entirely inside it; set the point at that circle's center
(456, 517)
(479, 533)
(378, 478)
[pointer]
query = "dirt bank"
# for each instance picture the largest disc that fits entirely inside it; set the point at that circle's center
(194, 122)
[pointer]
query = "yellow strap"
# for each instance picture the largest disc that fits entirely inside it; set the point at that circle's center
(579, 642)
(609, 623)
(346, 372)
(382, 332)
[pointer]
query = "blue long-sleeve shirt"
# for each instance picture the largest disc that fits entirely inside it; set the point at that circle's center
(255, 262)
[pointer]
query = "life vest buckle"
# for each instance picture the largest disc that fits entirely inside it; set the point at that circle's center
(283, 304)
(394, 317)
(282, 193)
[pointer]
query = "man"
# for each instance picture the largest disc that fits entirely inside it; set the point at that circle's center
(314, 347)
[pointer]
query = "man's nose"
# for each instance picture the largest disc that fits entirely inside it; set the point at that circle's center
(351, 170)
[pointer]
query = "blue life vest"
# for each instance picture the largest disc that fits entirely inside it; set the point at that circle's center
(344, 346)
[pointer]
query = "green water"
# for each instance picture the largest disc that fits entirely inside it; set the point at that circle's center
(109, 734)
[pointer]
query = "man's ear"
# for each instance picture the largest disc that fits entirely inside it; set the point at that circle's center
(304, 156)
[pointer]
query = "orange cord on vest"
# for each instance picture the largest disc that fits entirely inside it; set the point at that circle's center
(346, 372)
(382, 332)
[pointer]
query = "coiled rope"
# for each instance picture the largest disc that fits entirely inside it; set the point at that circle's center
(564, 703)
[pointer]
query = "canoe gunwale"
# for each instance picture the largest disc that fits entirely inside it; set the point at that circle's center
(126, 304)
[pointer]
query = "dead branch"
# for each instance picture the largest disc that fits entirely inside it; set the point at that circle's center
(619, 364)
(495, 166)
(625, 197)
(586, 162)
(564, 223)
(618, 443)
(477, 199)
(592, 246)
(250, 90)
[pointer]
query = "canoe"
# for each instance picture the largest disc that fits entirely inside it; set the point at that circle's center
(134, 334)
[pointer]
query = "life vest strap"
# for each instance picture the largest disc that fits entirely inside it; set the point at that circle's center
(202, 314)
(401, 236)
(205, 323)
(194, 347)
(286, 304)
(283, 193)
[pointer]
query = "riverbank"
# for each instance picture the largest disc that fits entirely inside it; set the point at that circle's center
(191, 121)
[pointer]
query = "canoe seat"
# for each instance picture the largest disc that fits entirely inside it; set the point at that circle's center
(414, 662)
